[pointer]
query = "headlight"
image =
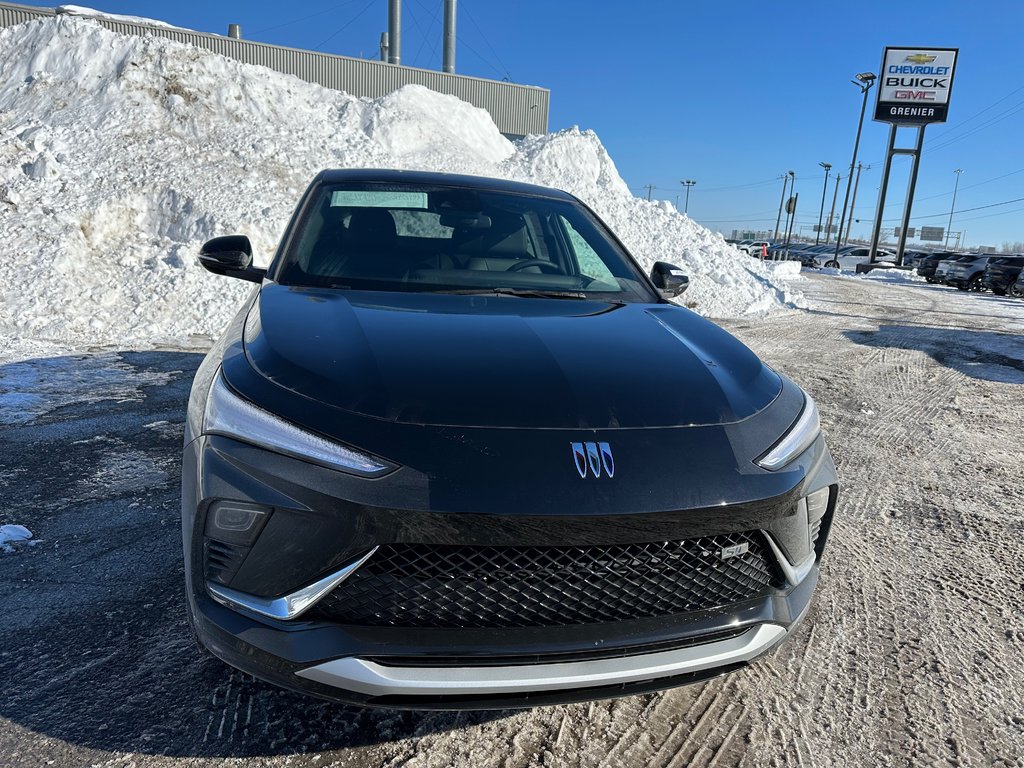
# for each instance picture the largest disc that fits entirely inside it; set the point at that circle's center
(229, 415)
(800, 436)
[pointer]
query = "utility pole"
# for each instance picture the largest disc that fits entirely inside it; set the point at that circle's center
(649, 188)
(864, 81)
(952, 205)
(824, 188)
(688, 183)
(853, 203)
(832, 212)
(782, 202)
(792, 221)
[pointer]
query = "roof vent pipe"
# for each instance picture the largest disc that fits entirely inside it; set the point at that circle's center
(449, 36)
(235, 31)
(394, 31)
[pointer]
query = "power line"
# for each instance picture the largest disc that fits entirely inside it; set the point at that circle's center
(334, 7)
(345, 26)
(472, 20)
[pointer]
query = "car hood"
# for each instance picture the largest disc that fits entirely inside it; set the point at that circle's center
(500, 361)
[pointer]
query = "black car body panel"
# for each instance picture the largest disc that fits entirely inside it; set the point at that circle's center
(475, 405)
(1001, 273)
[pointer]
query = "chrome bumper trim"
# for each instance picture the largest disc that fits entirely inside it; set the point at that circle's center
(794, 573)
(289, 606)
(373, 679)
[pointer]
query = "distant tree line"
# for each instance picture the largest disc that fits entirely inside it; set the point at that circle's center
(1017, 247)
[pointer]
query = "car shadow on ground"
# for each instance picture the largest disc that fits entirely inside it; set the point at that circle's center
(985, 355)
(94, 647)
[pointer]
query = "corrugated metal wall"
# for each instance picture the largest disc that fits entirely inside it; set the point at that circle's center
(517, 110)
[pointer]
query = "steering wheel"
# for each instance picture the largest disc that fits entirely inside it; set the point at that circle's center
(541, 264)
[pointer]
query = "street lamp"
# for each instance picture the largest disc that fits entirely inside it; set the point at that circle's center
(821, 212)
(688, 183)
(864, 81)
(952, 205)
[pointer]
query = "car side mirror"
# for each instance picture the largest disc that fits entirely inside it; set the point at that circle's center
(669, 279)
(230, 255)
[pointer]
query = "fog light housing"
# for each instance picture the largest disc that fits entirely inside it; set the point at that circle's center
(236, 522)
(232, 527)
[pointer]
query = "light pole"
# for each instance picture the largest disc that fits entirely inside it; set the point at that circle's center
(832, 210)
(864, 81)
(688, 183)
(853, 203)
(952, 205)
(782, 202)
(821, 211)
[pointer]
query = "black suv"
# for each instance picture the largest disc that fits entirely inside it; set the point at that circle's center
(927, 265)
(1002, 273)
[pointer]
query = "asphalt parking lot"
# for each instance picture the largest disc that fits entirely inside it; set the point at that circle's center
(911, 654)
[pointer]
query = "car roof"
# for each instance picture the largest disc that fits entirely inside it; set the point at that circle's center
(426, 178)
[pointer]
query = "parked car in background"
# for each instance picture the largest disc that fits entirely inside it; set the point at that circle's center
(1017, 289)
(1001, 273)
(965, 274)
(927, 265)
(755, 247)
(946, 264)
(912, 258)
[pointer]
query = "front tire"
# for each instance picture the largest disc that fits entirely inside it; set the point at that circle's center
(1016, 292)
(974, 284)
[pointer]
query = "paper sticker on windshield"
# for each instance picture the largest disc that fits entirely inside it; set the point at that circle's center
(362, 198)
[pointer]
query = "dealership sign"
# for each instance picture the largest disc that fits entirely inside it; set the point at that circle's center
(915, 84)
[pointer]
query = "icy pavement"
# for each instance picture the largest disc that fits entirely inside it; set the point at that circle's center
(910, 654)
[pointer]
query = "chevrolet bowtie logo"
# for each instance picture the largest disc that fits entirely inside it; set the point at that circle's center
(920, 58)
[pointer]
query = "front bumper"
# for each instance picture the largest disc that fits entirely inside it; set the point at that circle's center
(452, 668)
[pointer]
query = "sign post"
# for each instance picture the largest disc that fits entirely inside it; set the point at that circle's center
(913, 90)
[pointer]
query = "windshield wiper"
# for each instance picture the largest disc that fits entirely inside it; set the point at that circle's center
(528, 293)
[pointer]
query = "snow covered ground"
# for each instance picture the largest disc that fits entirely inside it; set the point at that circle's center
(909, 656)
(119, 155)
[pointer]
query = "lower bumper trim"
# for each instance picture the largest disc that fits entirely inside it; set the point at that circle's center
(372, 678)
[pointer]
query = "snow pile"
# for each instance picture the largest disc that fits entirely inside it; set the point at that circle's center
(13, 534)
(119, 155)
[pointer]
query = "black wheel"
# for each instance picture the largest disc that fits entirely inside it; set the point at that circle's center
(1016, 292)
(832, 263)
(975, 284)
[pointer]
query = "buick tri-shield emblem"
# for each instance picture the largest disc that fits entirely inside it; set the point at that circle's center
(593, 458)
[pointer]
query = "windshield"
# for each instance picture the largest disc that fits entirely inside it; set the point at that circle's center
(405, 237)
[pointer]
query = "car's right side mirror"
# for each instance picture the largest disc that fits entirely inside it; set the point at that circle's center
(669, 279)
(230, 255)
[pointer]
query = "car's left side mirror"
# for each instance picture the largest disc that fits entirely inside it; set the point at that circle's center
(230, 255)
(669, 279)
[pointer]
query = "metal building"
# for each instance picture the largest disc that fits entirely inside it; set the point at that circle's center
(517, 110)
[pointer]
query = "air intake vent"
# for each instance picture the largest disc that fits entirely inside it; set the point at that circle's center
(415, 585)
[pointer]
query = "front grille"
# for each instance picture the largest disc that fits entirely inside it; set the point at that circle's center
(418, 585)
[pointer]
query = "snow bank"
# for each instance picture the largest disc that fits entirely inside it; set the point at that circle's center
(119, 155)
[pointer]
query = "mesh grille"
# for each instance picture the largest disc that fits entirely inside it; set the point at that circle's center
(416, 585)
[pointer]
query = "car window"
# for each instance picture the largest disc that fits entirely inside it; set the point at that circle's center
(407, 237)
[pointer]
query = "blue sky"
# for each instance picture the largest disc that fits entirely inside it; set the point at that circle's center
(731, 94)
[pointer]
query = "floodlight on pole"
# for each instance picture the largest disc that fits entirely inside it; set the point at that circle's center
(687, 183)
(864, 81)
(821, 211)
